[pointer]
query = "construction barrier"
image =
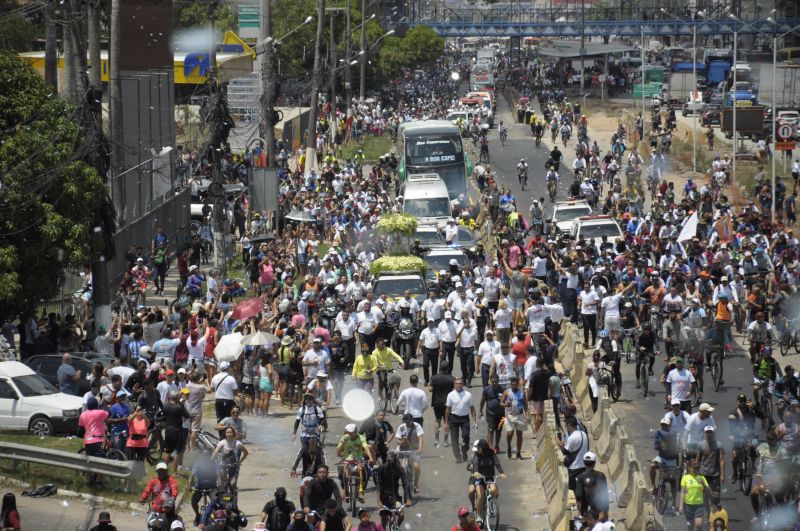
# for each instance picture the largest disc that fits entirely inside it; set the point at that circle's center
(608, 431)
(600, 418)
(626, 479)
(640, 515)
(567, 348)
(617, 454)
(554, 478)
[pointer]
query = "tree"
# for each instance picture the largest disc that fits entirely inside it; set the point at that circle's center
(17, 33)
(417, 47)
(48, 197)
(195, 14)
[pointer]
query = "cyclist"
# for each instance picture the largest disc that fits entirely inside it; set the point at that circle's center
(537, 217)
(164, 491)
(482, 465)
(552, 178)
(742, 427)
(203, 479)
(312, 456)
(503, 130)
(312, 417)
(389, 478)
(609, 353)
(770, 456)
(667, 444)
(555, 157)
(383, 357)
(410, 439)
(765, 369)
(140, 274)
(322, 389)
(352, 447)
(522, 173)
(466, 522)
(232, 454)
(566, 132)
(760, 333)
(538, 133)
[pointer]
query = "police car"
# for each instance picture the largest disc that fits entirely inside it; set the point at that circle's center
(566, 212)
(595, 227)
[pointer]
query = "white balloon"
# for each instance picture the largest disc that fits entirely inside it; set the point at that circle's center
(358, 405)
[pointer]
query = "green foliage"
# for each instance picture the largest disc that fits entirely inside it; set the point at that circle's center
(194, 14)
(409, 262)
(16, 33)
(419, 46)
(402, 223)
(48, 195)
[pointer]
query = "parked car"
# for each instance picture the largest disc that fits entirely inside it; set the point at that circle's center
(710, 114)
(29, 402)
(47, 366)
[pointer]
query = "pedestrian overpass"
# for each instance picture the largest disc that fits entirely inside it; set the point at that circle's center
(509, 21)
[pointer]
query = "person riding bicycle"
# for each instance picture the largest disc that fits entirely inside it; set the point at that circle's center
(352, 447)
(769, 477)
(503, 130)
(522, 171)
(556, 156)
(203, 479)
(482, 465)
(389, 479)
(609, 352)
(566, 132)
(742, 428)
(163, 489)
(140, 274)
(765, 369)
(552, 177)
(760, 333)
(537, 216)
(223, 505)
(667, 443)
(313, 418)
(384, 356)
(591, 488)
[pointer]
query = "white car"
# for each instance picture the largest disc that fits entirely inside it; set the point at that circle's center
(566, 212)
(29, 402)
(789, 117)
(595, 227)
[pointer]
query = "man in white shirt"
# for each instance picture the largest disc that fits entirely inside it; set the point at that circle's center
(368, 320)
(315, 359)
(448, 330)
(681, 383)
(432, 307)
(458, 410)
(574, 449)
(466, 339)
(610, 308)
(589, 300)
(694, 433)
(225, 387)
(451, 234)
(413, 400)
(347, 325)
(487, 350)
(429, 348)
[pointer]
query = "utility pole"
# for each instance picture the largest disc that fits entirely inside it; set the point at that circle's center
(215, 146)
(50, 45)
(363, 59)
(334, 124)
(348, 73)
(93, 37)
(311, 140)
(268, 80)
(68, 90)
(583, 43)
(115, 105)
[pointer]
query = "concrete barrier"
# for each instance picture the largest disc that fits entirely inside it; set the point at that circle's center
(554, 479)
(616, 460)
(626, 480)
(640, 514)
(608, 432)
(600, 418)
(566, 350)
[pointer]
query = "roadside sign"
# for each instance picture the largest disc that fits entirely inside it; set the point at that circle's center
(785, 131)
(785, 146)
(650, 90)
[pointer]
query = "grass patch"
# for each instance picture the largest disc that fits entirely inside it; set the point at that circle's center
(37, 475)
(373, 146)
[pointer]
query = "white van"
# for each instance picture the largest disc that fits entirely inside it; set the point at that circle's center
(425, 197)
(29, 402)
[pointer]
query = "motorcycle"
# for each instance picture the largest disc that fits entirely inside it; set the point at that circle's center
(404, 339)
(328, 313)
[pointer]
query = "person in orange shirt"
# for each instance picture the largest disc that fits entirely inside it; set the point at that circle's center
(656, 293)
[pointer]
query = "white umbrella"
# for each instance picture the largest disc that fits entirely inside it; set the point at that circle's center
(259, 338)
(229, 347)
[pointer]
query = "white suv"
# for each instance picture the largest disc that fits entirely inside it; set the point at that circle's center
(29, 402)
(566, 212)
(595, 227)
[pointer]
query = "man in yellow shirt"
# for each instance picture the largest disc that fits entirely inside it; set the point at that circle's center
(383, 357)
(364, 369)
(718, 517)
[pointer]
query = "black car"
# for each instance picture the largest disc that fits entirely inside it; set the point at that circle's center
(47, 365)
(710, 113)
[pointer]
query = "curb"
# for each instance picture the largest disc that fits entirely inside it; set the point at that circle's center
(89, 497)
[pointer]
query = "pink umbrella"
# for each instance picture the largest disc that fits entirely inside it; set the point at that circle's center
(248, 308)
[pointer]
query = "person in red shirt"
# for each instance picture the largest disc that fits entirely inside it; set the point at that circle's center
(163, 489)
(466, 522)
(520, 348)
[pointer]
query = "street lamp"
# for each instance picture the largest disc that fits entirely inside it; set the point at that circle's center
(694, 77)
(261, 48)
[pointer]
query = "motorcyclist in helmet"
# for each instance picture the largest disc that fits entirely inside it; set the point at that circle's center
(591, 488)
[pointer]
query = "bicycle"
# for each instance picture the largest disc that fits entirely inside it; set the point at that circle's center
(566, 385)
(107, 451)
(206, 442)
(664, 486)
(612, 382)
(643, 370)
(390, 391)
(491, 511)
(765, 402)
(552, 190)
(392, 523)
(155, 441)
(406, 461)
(744, 468)
(503, 136)
(522, 176)
(352, 471)
(628, 344)
(790, 337)
(716, 367)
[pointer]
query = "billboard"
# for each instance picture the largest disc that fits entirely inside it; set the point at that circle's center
(748, 119)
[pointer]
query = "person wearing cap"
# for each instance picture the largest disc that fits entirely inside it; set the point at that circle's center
(712, 460)
(667, 443)
(353, 447)
(466, 521)
(312, 417)
(591, 488)
(118, 415)
(103, 523)
(742, 429)
(163, 489)
(680, 383)
(225, 388)
(167, 385)
(277, 513)
(695, 427)
(759, 332)
(315, 359)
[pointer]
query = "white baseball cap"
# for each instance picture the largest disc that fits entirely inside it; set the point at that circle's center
(161, 466)
(224, 365)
